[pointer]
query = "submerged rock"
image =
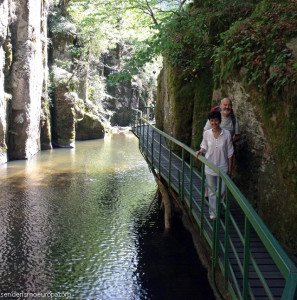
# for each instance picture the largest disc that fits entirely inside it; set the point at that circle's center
(90, 127)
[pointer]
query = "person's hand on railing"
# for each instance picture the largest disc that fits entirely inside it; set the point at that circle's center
(200, 152)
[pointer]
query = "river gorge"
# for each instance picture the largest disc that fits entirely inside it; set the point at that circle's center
(80, 222)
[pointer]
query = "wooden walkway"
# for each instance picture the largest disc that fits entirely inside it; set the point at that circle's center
(262, 270)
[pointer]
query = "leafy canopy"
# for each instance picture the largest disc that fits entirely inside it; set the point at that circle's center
(103, 24)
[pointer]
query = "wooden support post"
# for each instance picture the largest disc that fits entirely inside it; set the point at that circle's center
(165, 203)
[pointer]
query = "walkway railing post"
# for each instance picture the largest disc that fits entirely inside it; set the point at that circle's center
(136, 121)
(202, 197)
(226, 238)
(179, 185)
(215, 232)
(246, 260)
(143, 125)
(170, 158)
(183, 172)
(217, 223)
(191, 182)
(147, 139)
(152, 149)
(290, 288)
(214, 252)
(140, 137)
(160, 149)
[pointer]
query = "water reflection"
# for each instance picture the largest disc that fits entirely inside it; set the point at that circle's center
(76, 220)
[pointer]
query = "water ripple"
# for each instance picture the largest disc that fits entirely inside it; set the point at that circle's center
(76, 221)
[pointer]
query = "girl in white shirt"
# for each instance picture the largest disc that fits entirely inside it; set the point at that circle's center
(218, 148)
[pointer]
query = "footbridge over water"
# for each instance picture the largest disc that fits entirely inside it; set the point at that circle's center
(252, 262)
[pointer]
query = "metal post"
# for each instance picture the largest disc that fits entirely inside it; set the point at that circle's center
(147, 138)
(214, 251)
(215, 231)
(136, 122)
(170, 157)
(191, 182)
(143, 124)
(179, 192)
(183, 172)
(140, 124)
(246, 259)
(153, 147)
(202, 197)
(160, 149)
(226, 242)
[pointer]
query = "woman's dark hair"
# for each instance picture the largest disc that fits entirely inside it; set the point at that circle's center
(215, 115)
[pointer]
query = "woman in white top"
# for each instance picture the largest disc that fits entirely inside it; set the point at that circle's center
(218, 148)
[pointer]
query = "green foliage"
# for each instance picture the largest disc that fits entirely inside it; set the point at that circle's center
(60, 26)
(258, 45)
(190, 38)
(140, 54)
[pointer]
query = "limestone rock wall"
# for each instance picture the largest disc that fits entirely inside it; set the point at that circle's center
(90, 127)
(258, 171)
(6, 13)
(182, 111)
(163, 112)
(26, 80)
(64, 119)
(182, 106)
(45, 118)
(137, 92)
(121, 96)
(263, 89)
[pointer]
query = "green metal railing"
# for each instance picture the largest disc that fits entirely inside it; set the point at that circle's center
(233, 249)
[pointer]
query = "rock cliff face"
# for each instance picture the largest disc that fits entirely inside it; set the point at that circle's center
(29, 121)
(26, 115)
(64, 119)
(27, 79)
(23, 61)
(181, 105)
(137, 92)
(45, 118)
(258, 172)
(265, 158)
(7, 14)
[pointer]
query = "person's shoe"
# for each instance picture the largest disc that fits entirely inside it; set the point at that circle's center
(212, 217)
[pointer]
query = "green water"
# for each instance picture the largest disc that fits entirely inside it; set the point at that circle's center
(76, 221)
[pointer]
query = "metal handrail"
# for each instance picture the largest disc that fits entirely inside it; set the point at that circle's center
(252, 220)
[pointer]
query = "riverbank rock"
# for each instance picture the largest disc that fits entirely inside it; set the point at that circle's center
(63, 118)
(90, 127)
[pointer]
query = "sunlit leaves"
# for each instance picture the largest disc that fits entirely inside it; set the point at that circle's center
(138, 24)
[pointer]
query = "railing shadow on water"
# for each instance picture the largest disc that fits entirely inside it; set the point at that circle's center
(251, 260)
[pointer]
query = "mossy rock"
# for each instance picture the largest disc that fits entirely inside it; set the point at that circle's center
(90, 127)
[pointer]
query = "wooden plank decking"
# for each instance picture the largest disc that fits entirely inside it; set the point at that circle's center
(159, 157)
